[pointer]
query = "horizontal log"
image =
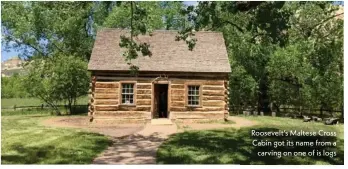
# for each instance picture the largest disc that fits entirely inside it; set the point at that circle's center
(177, 92)
(144, 91)
(221, 98)
(105, 96)
(198, 115)
(214, 103)
(106, 102)
(143, 108)
(122, 114)
(144, 81)
(213, 82)
(107, 85)
(177, 86)
(134, 108)
(208, 109)
(146, 86)
(178, 98)
(106, 108)
(172, 108)
(177, 82)
(213, 88)
(143, 102)
(203, 109)
(143, 96)
(177, 103)
(106, 90)
(213, 93)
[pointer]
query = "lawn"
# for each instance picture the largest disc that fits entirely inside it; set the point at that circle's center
(9, 103)
(233, 146)
(25, 141)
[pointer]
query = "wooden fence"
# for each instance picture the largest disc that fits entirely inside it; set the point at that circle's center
(289, 111)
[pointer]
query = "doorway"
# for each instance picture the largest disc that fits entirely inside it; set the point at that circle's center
(160, 101)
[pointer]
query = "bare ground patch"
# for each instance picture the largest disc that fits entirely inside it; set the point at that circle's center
(238, 123)
(82, 122)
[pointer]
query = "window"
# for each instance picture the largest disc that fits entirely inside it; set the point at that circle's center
(127, 93)
(193, 95)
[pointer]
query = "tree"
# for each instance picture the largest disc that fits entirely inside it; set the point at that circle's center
(61, 78)
(43, 29)
(12, 87)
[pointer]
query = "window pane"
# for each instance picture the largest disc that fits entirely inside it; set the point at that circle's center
(193, 95)
(127, 93)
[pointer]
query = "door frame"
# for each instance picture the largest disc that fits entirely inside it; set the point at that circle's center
(153, 96)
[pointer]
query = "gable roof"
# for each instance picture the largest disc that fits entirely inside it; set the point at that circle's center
(209, 54)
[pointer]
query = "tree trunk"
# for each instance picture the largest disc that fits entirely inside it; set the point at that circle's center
(263, 99)
(321, 111)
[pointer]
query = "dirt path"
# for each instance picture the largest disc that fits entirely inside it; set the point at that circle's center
(138, 148)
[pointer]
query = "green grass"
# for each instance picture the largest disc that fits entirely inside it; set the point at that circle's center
(25, 141)
(232, 146)
(9, 103)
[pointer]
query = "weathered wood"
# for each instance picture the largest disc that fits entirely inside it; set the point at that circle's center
(177, 86)
(172, 108)
(143, 96)
(143, 108)
(106, 90)
(213, 88)
(105, 96)
(145, 80)
(122, 114)
(144, 91)
(178, 98)
(213, 93)
(198, 115)
(221, 98)
(174, 82)
(176, 92)
(178, 104)
(143, 101)
(213, 82)
(202, 109)
(143, 86)
(214, 103)
(209, 108)
(106, 101)
(106, 108)
(107, 85)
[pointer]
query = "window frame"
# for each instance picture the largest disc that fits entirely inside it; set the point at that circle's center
(200, 93)
(134, 93)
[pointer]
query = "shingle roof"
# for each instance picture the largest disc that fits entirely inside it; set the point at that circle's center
(209, 54)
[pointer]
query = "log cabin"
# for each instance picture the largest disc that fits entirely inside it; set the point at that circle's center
(173, 83)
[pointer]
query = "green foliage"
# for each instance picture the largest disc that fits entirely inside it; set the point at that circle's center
(288, 53)
(55, 79)
(12, 87)
(43, 29)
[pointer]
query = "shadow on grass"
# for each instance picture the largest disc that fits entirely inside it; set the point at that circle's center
(235, 147)
(56, 154)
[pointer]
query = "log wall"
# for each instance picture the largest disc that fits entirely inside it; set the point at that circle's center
(105, 98)
(107, 101)
(212, 104)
